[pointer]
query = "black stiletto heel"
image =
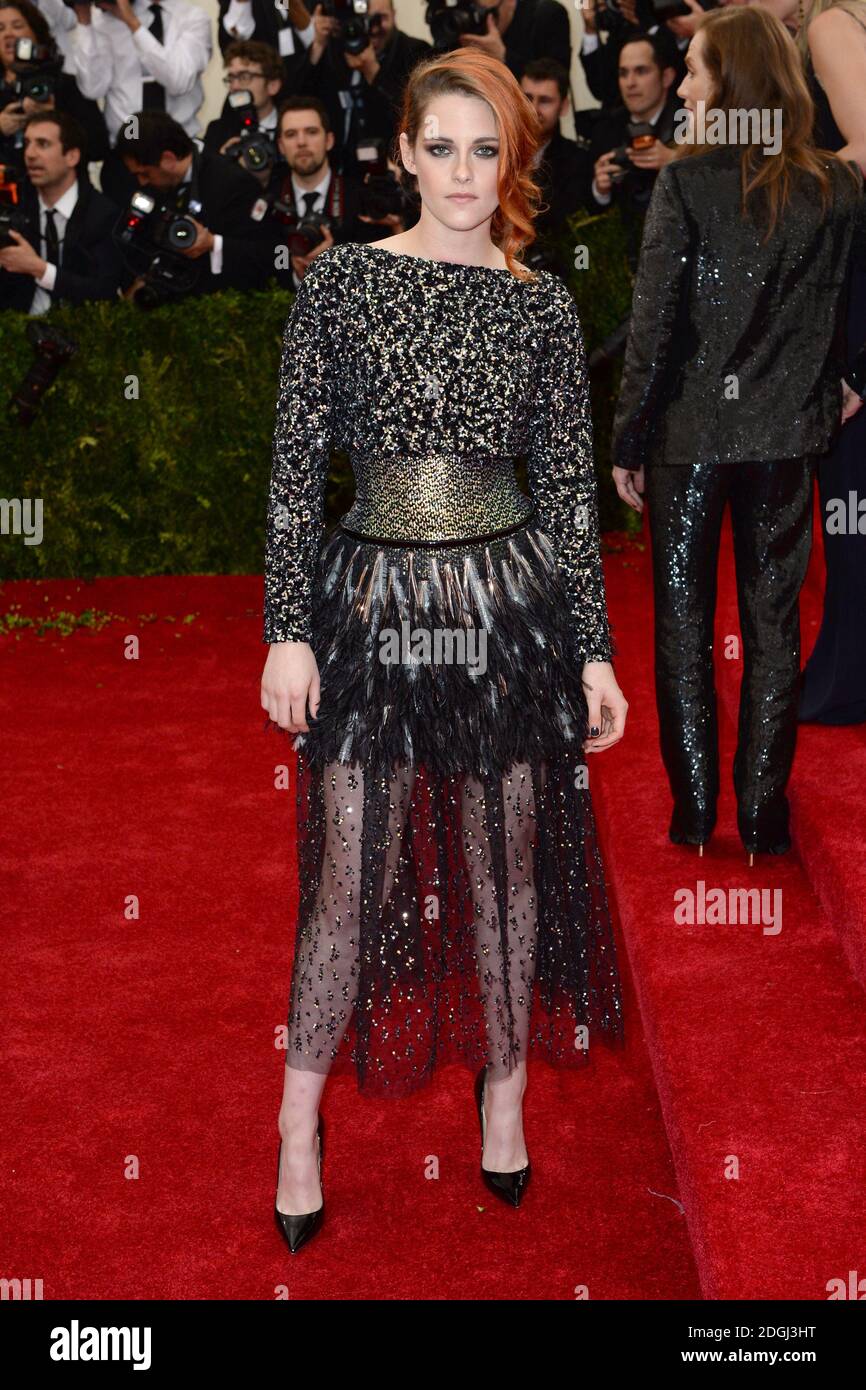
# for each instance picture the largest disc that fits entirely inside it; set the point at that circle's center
(782, 848)
(678, 835)
(509, 1186)
(301, 1228)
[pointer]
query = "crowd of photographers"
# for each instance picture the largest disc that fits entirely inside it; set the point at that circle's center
(299, 157)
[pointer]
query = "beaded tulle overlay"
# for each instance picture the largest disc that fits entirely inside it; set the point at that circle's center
(452, 896)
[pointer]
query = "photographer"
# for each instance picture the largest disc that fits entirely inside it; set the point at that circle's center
(519, 31)
(623, 19)
(314, 207)
(256, 69)
(141, 57)
(632, 142)
(356, 65)
(58, 245)
(230, 247)
(285, 27)
(564, 166)
(38, 83)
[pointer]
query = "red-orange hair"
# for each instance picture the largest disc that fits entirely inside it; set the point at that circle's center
(477, 74)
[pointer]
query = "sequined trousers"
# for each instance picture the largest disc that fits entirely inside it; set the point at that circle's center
(771, 520)
(452, 897)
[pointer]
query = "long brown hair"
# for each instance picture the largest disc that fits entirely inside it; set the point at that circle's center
(477, 74)
(754, 64)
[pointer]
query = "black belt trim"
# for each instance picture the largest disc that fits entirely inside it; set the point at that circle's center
(401, 541)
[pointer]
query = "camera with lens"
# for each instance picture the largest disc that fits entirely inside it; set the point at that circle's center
(356, 26)
(381, 195)
(10, 216)
(52, 349)
(151, 236)
(302, 232)
(447, 23)
(641, 136)
(37, 68)
(609, 17)
(255, 149)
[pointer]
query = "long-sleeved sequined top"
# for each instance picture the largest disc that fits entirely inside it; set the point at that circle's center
(433, 377)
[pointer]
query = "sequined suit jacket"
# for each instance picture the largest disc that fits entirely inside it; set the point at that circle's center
(735, 347)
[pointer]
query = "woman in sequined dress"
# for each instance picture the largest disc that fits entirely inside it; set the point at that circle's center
(442, 661)
(731, 391)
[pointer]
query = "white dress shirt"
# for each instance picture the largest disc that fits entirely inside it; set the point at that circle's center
(111, 62)
(61, 22)
(239, 22)
(63, 209)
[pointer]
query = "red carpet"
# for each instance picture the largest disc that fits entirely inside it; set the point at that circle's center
(758, 1040)
(149, 892)
(145, 1043)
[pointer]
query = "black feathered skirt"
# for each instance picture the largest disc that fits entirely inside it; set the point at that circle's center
(452, 899)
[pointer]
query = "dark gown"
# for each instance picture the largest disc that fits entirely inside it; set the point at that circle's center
(833, 687)
(452, 898)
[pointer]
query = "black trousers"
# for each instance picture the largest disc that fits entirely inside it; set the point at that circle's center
(771, 519)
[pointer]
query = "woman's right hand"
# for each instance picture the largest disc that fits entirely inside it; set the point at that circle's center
(851, 402)
(289, 681)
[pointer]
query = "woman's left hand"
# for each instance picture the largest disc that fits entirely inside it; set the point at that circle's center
(606, 704)
(629, 483)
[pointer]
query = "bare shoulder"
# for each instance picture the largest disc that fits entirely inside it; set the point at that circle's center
(834, 26)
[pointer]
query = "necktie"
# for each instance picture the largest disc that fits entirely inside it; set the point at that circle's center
(310, 199)
(52, 244)
(153, 93)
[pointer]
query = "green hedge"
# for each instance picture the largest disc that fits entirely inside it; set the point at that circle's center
(175, 482)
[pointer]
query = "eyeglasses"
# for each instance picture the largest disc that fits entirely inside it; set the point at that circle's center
(240, 77)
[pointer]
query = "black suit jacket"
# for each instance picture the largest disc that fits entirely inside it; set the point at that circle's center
(228, 195)
(539, 29)
(91, 267)
(611, 131)
(735, 350)
(349, 227)
(565, 177)
(331, 75)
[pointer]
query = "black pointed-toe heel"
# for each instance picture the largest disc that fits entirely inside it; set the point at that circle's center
(509, 1186)
(299, 1229)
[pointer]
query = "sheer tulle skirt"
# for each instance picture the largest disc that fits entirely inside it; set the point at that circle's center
(452, 898)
